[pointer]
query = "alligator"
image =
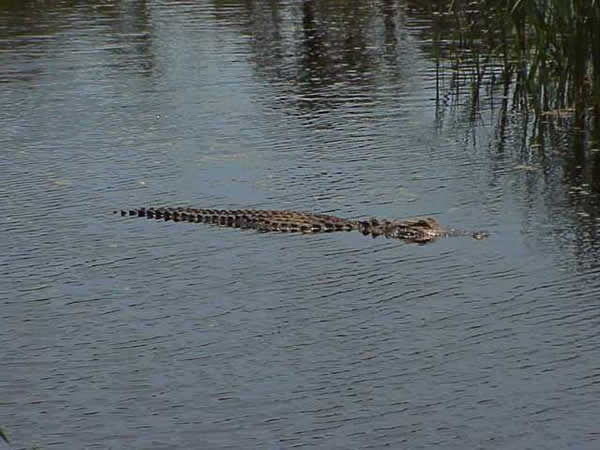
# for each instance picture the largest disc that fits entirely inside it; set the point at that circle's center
(418, 230)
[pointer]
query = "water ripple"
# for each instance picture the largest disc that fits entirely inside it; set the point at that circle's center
(146, 334)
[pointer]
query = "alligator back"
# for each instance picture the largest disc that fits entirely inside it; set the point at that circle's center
(258, 219)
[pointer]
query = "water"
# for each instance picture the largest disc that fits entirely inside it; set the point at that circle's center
(127, 333)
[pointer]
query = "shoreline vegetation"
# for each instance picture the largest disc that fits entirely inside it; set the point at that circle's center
(544, 53)
(532, 68)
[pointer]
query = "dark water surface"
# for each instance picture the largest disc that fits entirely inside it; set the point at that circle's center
(131, 334)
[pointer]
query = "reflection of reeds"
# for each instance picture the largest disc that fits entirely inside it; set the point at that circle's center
(563, 52)
(541, 58)
(549, 50)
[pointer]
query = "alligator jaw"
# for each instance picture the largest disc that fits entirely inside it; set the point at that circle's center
(419, 230)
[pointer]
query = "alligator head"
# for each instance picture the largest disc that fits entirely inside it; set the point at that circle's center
(419, 230)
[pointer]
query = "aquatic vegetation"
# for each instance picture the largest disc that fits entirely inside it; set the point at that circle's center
(547, 50)
(532, 67)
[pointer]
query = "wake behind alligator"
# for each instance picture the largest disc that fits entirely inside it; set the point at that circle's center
(418, 230)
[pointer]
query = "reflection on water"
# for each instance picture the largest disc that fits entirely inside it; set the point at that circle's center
(559, 148)
(138, 334)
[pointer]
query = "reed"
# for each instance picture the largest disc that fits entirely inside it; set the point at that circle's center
(548, 50)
